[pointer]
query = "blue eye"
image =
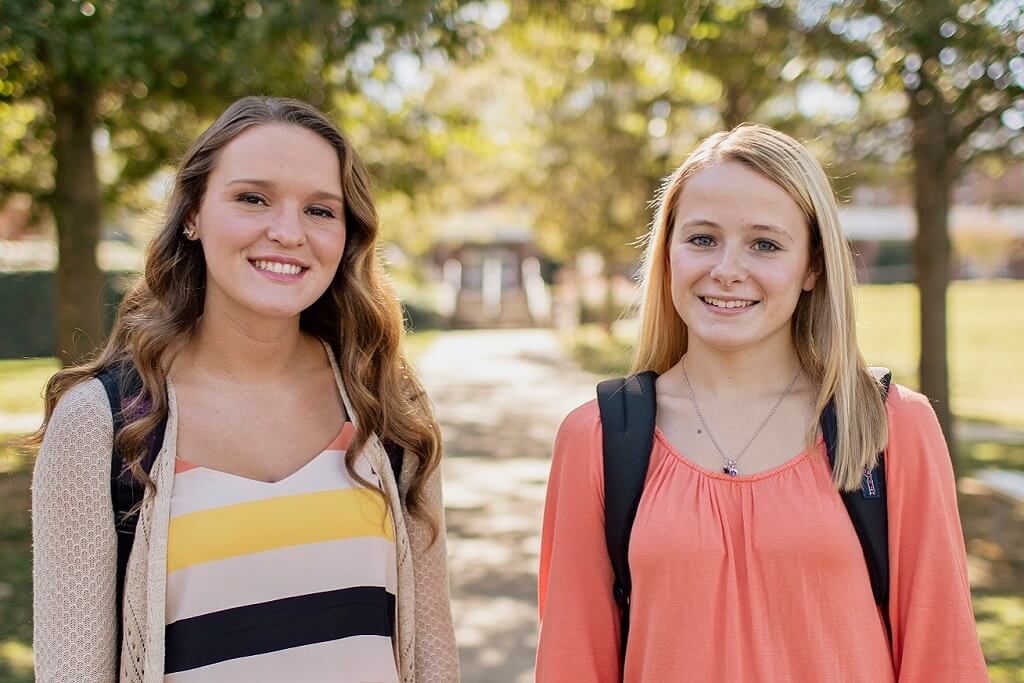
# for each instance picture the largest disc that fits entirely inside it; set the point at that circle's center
(766, 246)
(701, 241)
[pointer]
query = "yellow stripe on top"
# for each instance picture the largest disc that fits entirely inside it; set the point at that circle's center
(257, 526)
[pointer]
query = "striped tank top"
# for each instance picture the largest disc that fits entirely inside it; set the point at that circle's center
(292, 580)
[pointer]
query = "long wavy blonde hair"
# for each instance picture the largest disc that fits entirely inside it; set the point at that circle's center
(358, 315)
(823, 324)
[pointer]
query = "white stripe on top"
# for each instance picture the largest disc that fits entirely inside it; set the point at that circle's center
(232, 582)
(320, 663)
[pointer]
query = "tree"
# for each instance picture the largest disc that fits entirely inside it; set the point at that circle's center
(743, 44)
(602, 112)
(960, 69)
(139, 76)
(622, 92)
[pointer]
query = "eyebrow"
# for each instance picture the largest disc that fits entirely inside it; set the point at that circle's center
(320, 194)
(763, 227)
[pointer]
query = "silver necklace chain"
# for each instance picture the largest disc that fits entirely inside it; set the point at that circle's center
(730, 463)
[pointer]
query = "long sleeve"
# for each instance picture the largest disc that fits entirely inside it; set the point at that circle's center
(74, 543)
(437, 659)
(579, 634)
(934, 637)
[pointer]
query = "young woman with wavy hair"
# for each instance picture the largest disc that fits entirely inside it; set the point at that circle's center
(273, 540)
(745, 565)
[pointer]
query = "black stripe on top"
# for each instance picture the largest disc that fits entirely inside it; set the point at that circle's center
(277, 625)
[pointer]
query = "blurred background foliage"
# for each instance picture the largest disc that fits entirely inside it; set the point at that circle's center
(568, 113)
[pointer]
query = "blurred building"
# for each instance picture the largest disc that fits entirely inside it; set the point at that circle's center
(987, 241)
(489, 267)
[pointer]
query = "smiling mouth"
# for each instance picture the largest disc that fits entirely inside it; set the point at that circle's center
(277, 267)
(722, 303)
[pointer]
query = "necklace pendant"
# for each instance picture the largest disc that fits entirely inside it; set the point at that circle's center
(730, 468)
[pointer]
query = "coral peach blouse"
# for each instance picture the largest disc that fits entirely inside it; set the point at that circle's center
(757, 577)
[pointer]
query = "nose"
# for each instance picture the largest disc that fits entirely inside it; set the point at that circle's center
(286, 227)
(729, 268)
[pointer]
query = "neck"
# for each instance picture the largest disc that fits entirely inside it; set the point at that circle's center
(749, 372)
(238, 349)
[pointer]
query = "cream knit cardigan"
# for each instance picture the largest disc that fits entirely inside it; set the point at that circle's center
(75, 556)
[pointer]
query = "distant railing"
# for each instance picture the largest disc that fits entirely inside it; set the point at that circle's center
(538, 299)
(451, 285)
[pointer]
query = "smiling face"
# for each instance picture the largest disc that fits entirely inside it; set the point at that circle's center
(739, 258)
(271, 222)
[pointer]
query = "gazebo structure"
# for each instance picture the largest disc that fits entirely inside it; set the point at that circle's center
(490, 271)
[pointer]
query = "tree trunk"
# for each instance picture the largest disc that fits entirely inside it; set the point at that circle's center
(933, 178)
(76, 209)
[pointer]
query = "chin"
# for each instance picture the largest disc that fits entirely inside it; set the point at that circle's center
(722, 340)
(728, 345)
(282, 311)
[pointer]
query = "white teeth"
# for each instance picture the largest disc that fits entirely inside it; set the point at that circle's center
(276, 267)
(722, 303)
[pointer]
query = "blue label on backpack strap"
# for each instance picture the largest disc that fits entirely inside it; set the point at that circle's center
(869, 487)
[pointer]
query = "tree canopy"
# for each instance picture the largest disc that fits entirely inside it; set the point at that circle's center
(138, 78)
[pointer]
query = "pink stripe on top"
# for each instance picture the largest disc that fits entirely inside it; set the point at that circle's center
(344, 438)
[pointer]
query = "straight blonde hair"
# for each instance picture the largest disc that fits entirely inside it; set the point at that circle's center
(823, 324)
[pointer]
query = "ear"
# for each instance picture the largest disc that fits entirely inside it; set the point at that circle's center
(188, 228)
(814, 270)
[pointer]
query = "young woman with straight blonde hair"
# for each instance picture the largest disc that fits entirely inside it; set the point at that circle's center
(291, 525)
(745, 565)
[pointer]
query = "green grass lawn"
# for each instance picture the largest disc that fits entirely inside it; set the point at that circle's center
(1000, 618)
(22, 382)
(986, 322)
(15, 565)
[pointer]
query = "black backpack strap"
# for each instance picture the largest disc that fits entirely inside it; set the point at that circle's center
(628, 407)
(867, 507)
(395, 456)
(126, 493)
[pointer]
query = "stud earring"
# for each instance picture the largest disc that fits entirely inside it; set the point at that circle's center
(189, 231)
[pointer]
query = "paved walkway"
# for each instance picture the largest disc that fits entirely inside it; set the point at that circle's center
(500, 396)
